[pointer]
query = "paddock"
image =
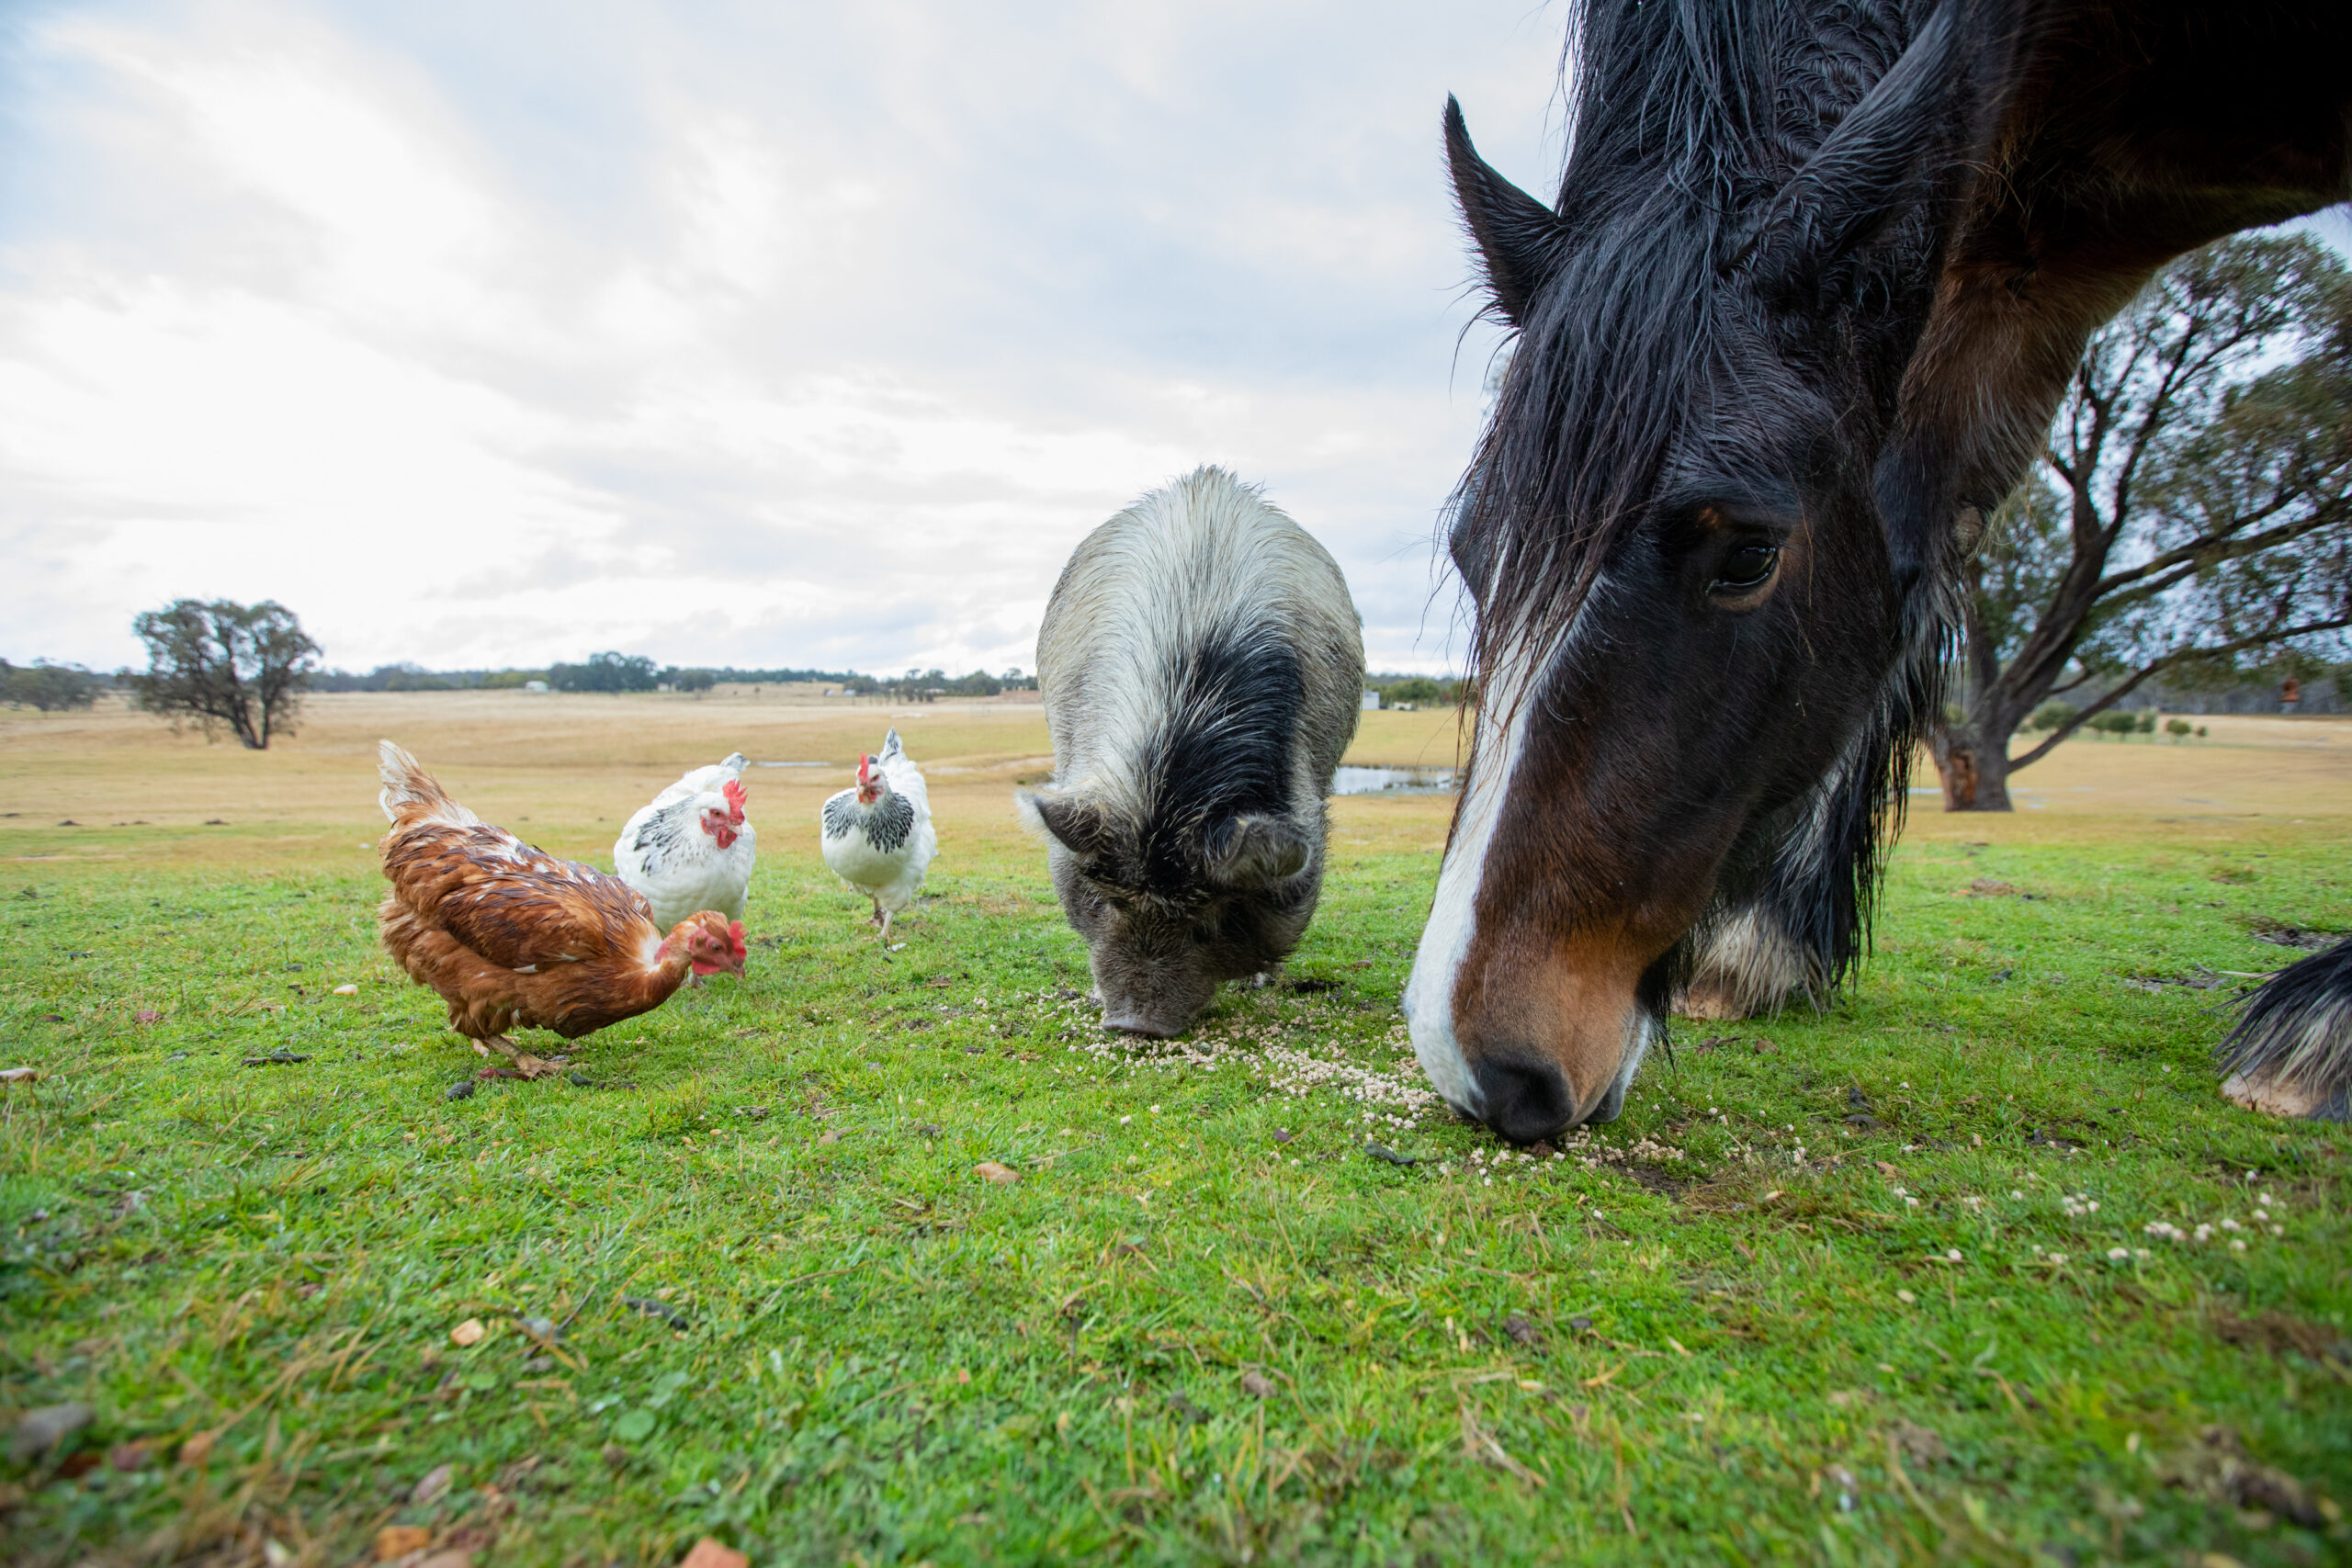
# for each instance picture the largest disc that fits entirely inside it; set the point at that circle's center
(1923, 1275)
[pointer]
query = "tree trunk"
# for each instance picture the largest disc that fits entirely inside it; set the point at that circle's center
(1974, 769)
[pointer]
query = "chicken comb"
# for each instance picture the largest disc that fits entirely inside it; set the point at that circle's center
(733, 791)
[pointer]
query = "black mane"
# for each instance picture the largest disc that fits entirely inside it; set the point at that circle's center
(1687, 118)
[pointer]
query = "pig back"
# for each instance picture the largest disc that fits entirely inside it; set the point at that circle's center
(1201, 632)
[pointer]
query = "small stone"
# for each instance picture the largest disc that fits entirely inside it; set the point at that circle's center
(1581, 1324)
(434, 1485)
(467, 1333)
(147, 1015)
(1003, 1174)
(708, 1553)
(462, 1089)
(346, 990)
(1254, 1384)
(831, 1135)
(125, 1458)
(40, 1432)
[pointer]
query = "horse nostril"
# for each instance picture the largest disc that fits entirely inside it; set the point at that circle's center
(1527, 1099)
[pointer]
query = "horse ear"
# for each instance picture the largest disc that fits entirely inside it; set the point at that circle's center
(1914, 139)
(1259, 851)
(1520, 238)
(1074, 821)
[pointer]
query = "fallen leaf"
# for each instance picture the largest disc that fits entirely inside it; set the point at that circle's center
(198, 1449)
(20, 1075)
(449, 1560)
(1254, 1384)
(435, 1482)
(147, 1015)
(467, 1333)
(128, 1457)
(1003, 1174)
(1845, 1398)
(346, 990)
(395, 1541)
(708, 1553)
(831, 1135)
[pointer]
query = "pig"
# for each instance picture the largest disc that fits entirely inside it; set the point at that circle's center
(1202, 668)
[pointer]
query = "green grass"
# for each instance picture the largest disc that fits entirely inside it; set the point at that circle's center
(1205, 1324)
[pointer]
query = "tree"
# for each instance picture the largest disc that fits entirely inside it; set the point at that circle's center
(604, 672)
(220, 663)
(53, 688)
(2192, 515)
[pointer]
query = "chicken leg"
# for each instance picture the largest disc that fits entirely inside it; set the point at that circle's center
(530, 1067)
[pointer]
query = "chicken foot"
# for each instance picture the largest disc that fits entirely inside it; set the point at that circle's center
(530, 1067)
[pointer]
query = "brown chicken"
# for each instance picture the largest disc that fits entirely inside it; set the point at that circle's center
(513, 938)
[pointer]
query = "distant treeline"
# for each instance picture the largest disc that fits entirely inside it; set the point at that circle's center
(1444, 691)
(614, 672)
(53, 688)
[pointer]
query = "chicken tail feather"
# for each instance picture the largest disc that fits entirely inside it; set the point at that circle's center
(410, 794)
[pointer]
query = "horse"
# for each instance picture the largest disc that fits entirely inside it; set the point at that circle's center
(1816, 275)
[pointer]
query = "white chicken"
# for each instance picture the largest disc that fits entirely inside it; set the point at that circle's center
(692, 848)
(878, 834)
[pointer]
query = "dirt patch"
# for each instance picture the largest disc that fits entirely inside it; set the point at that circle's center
(2277, 1333)
(1660, 1179)
(2282, 934)
(2216, 1466)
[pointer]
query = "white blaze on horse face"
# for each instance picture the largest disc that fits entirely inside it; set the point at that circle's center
(1454, 919)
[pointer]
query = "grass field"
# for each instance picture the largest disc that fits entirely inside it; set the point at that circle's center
(1893, 1284)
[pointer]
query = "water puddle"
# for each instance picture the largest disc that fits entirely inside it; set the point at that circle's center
(1393, 781)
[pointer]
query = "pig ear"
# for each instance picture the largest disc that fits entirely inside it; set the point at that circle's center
(1072, 820)
(1259, 851)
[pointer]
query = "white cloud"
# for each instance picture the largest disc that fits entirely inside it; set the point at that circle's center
(772, 334)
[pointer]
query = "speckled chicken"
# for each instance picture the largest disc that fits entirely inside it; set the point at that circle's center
(692, 847)
(877, 836)
(513, 938)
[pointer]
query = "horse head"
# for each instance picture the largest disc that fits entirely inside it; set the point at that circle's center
(1692, 615)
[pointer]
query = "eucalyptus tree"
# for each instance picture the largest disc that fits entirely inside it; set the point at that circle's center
(2192, 515)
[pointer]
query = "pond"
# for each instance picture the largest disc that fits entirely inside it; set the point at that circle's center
(1393, 781)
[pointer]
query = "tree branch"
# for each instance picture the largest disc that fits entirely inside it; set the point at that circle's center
(2178, 656)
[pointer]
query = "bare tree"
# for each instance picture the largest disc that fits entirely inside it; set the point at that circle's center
(2192, 513)
(225, 664)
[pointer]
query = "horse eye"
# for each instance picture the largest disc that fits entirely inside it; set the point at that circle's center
(1750, 566)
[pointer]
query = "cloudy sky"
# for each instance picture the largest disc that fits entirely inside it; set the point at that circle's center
(752, 333)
